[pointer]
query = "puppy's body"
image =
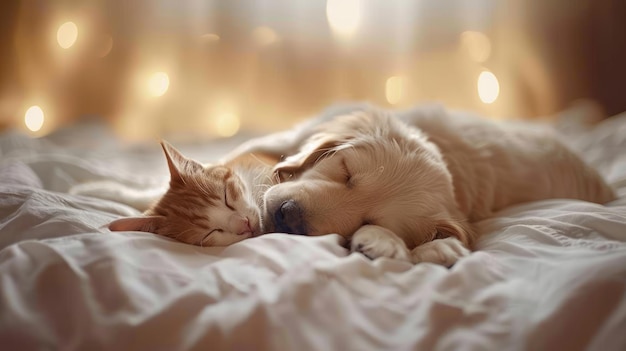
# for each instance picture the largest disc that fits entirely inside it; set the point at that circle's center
(420, 176)
(498, 164)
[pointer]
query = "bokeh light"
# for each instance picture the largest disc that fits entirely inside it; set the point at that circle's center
(67, 34)
(210, 38)
(395, 89)
(34, 118)
(226, 124)
(158, 84)
(264, 35)
(488, 87)
(343, 16)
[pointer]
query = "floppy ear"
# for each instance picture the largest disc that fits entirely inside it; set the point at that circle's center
(177, 163)
(137, 224)
(450, 228)
(329, 135)
(310, 152)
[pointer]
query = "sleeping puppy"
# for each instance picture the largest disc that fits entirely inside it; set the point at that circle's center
(409, 185)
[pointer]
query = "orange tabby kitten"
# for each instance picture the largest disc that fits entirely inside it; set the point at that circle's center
(206, 205)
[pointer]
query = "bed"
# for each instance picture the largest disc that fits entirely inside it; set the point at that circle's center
(548, 275)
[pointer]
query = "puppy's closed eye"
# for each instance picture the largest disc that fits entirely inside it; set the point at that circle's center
(347, 174)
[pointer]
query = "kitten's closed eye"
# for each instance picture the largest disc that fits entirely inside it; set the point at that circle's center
(209, 234)
(226, 200)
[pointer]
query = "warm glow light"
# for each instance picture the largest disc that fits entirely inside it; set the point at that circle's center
(67, 35)
(107, 45)
(158, 83)
(226, 124)
(343, 16)
(210, 38)
(395, 89)
(264, 35)
(477, 45)
(488, 87)
(34, 118)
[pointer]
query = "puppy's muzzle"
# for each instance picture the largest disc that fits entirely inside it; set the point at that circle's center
(288, 218)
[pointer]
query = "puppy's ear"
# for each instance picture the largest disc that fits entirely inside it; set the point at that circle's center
(311, 151)
(450, 228)
(329, 136)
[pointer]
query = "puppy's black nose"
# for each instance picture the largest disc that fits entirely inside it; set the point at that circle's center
(288, 218)
(289, 209)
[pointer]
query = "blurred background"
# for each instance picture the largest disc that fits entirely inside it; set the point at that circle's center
(215, 68)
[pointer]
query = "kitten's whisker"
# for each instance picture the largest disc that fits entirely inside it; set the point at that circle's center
(269, 179)
(266, 186)
(258, 180)
(260, 161)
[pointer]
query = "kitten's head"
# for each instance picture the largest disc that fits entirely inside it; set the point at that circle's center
(204, 205)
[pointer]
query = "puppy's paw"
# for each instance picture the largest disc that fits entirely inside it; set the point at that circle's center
(441, 251)
(374, 241)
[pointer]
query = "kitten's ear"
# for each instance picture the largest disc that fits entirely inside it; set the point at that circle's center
(177, 163)
(136, 224)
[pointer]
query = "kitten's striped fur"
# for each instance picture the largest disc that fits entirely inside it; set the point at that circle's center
(206, 205)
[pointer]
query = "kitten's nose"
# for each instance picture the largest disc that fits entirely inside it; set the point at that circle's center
(288, 218)
(244, 226)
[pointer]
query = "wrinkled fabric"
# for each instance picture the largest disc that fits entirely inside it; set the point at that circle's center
(548, 275)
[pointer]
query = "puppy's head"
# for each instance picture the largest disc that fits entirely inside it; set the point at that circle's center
(365, 168)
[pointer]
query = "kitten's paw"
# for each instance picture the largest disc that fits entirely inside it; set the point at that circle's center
(445, 252)
(374, 241)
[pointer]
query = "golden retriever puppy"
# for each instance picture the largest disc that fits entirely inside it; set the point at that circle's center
(408, 185)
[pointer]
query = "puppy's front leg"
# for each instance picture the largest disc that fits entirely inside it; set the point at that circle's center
(374, 241)
(440, 251)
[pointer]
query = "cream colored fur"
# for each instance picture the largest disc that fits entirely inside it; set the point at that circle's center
(408, 185)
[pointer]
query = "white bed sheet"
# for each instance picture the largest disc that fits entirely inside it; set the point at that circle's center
(549, 275)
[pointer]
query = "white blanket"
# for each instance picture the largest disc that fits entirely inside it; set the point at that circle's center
(549, 275)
